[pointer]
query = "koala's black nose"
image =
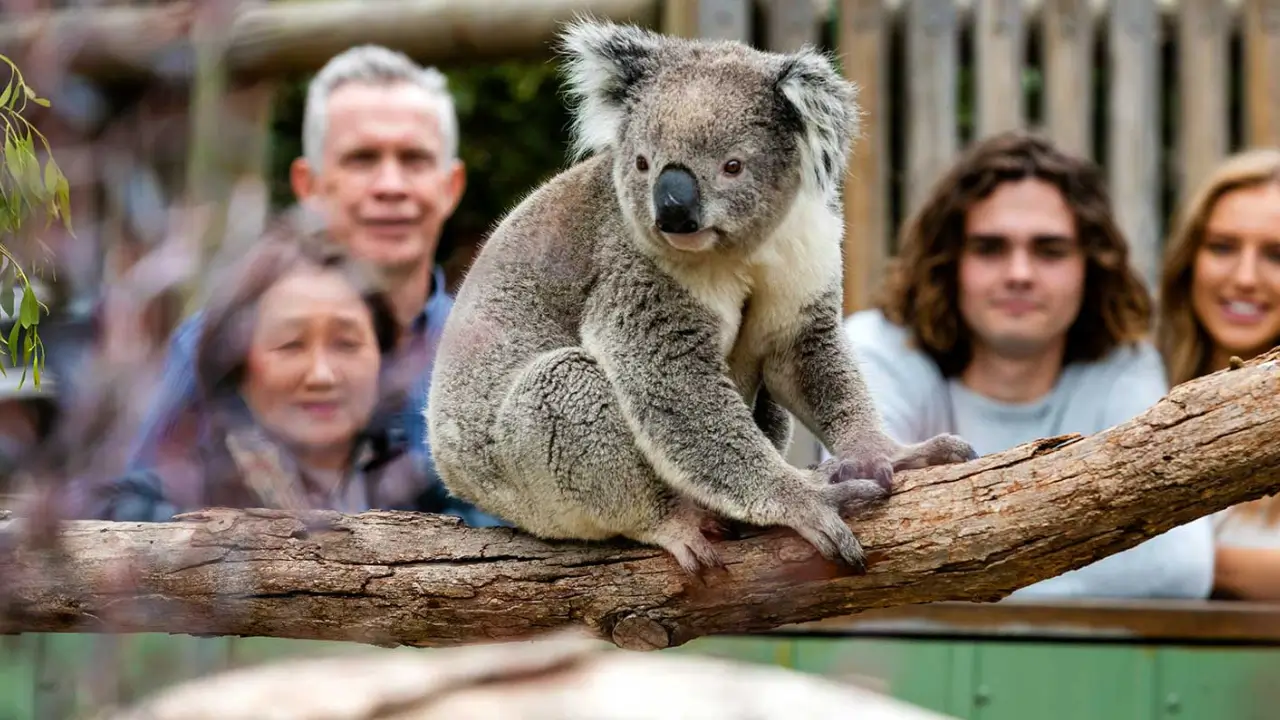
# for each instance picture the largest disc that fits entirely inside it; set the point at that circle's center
(677, 205)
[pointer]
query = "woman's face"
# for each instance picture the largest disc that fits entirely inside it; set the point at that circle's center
(1235, 286)
(312, 372)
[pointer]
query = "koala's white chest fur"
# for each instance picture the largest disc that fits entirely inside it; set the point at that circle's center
(791, 270)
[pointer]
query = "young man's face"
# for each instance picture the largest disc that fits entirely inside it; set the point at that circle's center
(1022, 270)
(385, 183)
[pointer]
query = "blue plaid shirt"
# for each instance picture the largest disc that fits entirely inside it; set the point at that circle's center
(178, 388)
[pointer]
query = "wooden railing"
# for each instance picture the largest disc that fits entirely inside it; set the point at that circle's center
(1138, 621)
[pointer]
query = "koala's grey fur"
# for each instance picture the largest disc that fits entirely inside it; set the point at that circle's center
(595, 381)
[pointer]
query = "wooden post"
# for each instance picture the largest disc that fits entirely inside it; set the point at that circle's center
(999, 41)
(864, 50)
(932, 55)
(1204, 28)
(680, 18)
(229, 142)
(1262, 71)
(1134, 130)
(1068, 58)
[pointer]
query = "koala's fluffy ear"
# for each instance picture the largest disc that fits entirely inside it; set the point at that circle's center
(604, 65)
(826, 106)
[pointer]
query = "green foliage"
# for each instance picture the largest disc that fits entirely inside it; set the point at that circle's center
(514, 134)
(25, 188)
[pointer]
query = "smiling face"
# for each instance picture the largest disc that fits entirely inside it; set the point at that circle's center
(1235, 286)
(385, 183)
(311, 375)
(1022, 269)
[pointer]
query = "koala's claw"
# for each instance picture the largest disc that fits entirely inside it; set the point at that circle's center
(943, 449)
(696, 557)
(835, 541)
(682, 535)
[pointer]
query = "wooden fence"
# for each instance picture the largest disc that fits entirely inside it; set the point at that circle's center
(1157, 91)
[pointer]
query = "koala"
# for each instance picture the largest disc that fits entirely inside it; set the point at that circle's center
(627, 349)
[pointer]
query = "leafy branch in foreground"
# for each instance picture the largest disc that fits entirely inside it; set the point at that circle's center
(25, 189)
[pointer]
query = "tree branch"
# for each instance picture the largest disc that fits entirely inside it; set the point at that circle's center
(967, 532)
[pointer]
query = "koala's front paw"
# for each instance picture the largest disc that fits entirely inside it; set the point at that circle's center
(846, 484)
(832, 489)
(943, 449)
(868, 465)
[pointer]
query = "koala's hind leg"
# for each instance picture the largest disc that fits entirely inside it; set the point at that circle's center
(575, 470)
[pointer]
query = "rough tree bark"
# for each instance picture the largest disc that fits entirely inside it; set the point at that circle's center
(967, 532)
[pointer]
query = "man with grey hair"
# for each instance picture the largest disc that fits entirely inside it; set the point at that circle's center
(380, 164)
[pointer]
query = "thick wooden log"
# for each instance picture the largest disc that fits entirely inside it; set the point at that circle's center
(975, 531)
(298, 37)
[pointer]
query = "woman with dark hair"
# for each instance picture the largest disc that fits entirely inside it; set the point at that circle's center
(291, 365)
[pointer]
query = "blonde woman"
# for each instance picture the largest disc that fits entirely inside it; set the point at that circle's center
(1219, 297)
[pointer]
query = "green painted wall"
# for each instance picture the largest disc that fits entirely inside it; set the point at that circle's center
(58, 676)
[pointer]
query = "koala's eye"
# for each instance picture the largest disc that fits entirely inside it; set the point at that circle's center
(641, 164)
(733, 167)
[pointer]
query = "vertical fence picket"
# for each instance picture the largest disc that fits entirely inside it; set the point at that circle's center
(999, 39)
(1067, 49)
(864, 50)
(932, 56)
(1203, 92)
(1133, 124)
(1262, 71)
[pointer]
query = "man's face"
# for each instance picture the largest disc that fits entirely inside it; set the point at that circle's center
(1022, 270)
(385, 183)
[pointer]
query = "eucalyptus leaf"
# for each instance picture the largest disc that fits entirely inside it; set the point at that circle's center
(62, 197)
(12, 159)
(6, 292)
(51, 177)
(13, 340)
(26, 189)
(29, 314)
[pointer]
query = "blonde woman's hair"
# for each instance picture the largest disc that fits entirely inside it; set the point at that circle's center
(1180, 336)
